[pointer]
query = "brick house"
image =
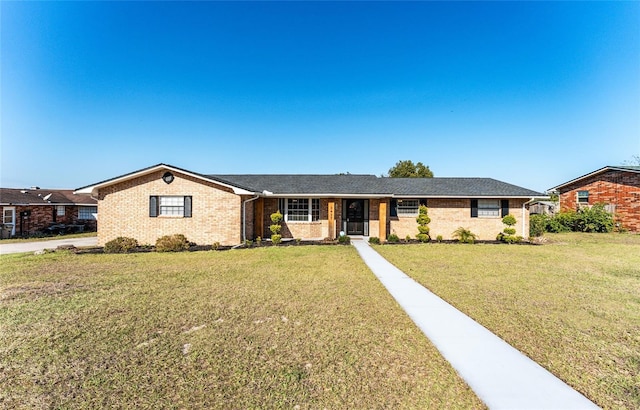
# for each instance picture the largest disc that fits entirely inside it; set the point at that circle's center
(618, 187)
(163, 199)
(27, 211)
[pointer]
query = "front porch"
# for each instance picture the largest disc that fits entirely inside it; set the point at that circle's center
(321, 218)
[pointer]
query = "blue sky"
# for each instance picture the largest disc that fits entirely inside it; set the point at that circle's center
(531, 93)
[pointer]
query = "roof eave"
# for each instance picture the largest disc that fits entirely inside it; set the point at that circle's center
(93, 189)
(596, 172)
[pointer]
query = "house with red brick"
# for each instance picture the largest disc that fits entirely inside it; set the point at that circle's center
(617, 187)
(228, 209)
(28, 211)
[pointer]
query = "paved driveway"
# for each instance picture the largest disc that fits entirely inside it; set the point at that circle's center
(20, 247)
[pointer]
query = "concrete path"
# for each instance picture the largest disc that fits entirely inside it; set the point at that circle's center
(19, 247)
(501, 376)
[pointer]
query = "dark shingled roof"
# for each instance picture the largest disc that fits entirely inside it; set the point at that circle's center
(372, 185)
(306, 184)
(456, 187)
(16, 196)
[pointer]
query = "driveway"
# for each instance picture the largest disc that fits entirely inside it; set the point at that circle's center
(20, 247)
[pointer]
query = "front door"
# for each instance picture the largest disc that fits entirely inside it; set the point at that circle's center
(9, 219)
(356, 215)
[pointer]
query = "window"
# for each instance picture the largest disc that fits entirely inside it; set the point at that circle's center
(407, 206)
(86, 212)
(300, 209)
(60, 210)
(171, 206)
(583, 197)
(174, 206)
(488, 208)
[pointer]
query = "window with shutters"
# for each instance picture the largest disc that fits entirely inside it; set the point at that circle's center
(407, 207)
(488, 208)
(171, 206)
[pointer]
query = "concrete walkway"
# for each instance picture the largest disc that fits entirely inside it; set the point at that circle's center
(19, 247)
(501, 376)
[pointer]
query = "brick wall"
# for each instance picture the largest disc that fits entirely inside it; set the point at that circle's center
(42, 216)
(447, 215)
(621, 189)
(216, 211)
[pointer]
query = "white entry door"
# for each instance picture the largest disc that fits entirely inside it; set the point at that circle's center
(9, 218)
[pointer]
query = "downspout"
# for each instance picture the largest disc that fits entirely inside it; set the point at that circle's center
(244, 217)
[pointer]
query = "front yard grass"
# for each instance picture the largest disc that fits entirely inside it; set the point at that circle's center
(572, 305)
(48, 238)
(259, 328)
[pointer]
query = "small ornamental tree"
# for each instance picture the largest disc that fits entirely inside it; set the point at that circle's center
(423, 224)
(508, 234)
(275, 227)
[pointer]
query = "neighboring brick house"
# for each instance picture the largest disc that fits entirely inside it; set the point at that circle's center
(227, 209)
(618, 187)
(27, 211)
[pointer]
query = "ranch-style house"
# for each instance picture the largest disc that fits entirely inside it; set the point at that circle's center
(228, 209)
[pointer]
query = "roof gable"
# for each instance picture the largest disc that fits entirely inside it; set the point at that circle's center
(92, 189)
(623, 168)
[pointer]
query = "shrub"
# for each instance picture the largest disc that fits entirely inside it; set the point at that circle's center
(120, 245)
(509, 220)
(464, 235)
(588, 219)
(275, 228)
(423, 222)
(439, 238)
(393, 238)
(374, 240)
(537, 225)
(594, 219)
(215, 246)
(344, 239)
(172, 243)
(508, 234)
(259, 241)
(408, 238)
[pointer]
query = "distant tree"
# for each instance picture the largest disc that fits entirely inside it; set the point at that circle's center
(635, 160)
(407, 169)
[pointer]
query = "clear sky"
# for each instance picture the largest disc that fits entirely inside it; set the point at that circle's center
(531, 93)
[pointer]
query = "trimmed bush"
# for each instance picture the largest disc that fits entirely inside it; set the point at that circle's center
(439, 238)
(275, 227)
(374, 240)
(172, 243)
(120, 245)
(393, 238)
(423, 222)
(344, 239)
(508, 234)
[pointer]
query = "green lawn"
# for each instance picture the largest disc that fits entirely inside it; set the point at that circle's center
(260, 328)
(572, 305)
(49, 238)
